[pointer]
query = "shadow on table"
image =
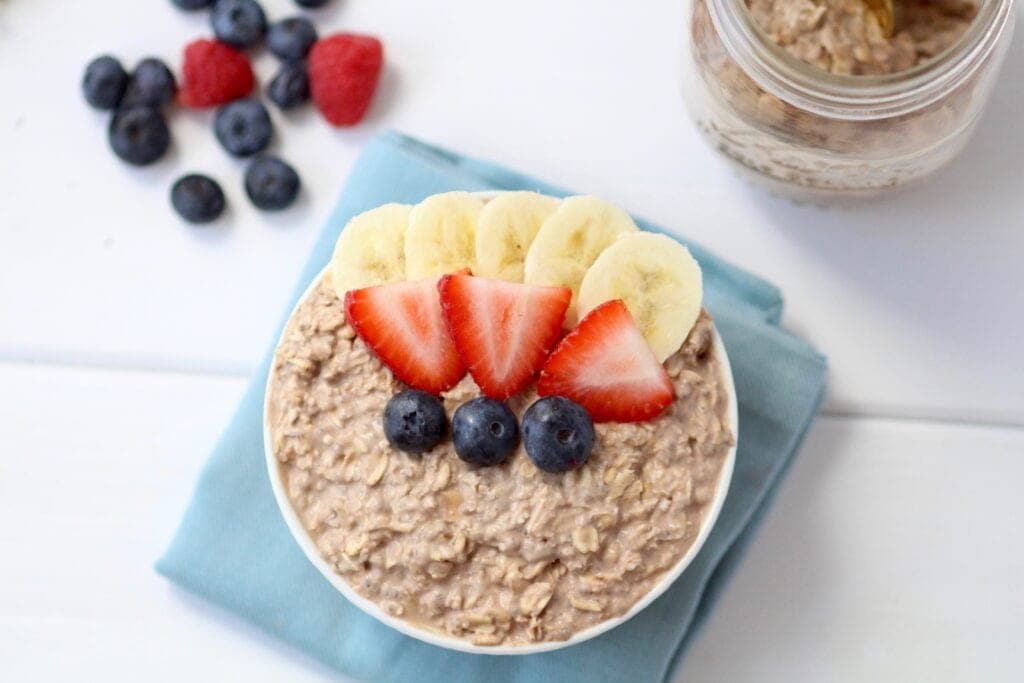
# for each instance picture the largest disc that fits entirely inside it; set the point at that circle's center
(926, 253)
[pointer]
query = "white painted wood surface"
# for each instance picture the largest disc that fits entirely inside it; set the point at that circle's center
(892, 552)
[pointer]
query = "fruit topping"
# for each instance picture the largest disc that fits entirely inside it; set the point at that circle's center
(558, 434)
(371, 249)
(291, 38)
(484, 431)
(570, 240)
(441, 234)
(243, 127)
(271, 184)
(214, 73)
(503, 331)
(197, 198)
(606, 365)
(139, 135)
(104, 82)
(403, 325)
(414, 421)
(508, 224)
(343, 74)
(659, 282)
(241, 23)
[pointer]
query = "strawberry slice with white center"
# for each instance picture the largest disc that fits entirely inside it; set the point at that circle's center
(403, 325)
(607, 366)
(502, 330)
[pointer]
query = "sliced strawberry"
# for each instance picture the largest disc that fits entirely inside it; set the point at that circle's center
(606, 366)
(502, 330)
(403, 325)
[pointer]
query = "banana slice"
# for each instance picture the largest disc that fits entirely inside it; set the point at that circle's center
(659, 281)
(508, 224)
(442, 235)
(570, 240)
(371, 249)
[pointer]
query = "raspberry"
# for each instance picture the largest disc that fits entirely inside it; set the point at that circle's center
(343, 74)
(213, 74)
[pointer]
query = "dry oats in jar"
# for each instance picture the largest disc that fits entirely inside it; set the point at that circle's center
(827, 99)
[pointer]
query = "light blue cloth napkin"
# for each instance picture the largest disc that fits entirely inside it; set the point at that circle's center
(233, 547)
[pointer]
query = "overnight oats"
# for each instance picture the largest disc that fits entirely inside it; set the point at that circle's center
(826, 99)
(505, 421)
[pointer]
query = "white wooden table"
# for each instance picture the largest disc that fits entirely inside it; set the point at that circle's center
(894, 550)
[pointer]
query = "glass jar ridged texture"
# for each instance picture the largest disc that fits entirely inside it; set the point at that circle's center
(817, 118)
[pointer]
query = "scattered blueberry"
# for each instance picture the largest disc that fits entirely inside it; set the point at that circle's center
(241, 23)
(271, 183)
(192, 4)
(104, 82)
(197, 198)
(291, 38)
(139, 135)
(243, 127)
(414, 421)
(138, 132)
(290, 87)
(484, 431)
(151, 85)
(558, 434)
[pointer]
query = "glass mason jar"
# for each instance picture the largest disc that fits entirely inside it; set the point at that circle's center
(817, 136)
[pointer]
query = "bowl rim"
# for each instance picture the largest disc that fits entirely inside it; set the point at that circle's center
(308, 546)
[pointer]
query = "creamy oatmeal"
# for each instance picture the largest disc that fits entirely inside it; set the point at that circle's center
(498, 555)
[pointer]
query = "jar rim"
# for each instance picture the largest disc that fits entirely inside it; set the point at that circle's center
(855, 97)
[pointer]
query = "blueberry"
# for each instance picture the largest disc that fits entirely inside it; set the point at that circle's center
(241, 23)
(414, 421)
(290, 87)
(197, 198)
(192, 4)
(484, 431)
(271, 183)
(558, 434)
(139, 135)
(311, 4)
(243, 127)
(151, 85)
(291, 38)
(104, 82)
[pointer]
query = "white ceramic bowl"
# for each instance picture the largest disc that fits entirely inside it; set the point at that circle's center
(308, 546)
